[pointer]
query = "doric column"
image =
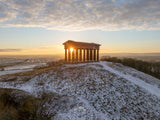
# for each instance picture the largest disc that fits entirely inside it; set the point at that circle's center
(97, 54)
(87, 54)
(84, 55)
(69, 55)
(76, 55)
(90, 54)
(65, 55)
(73, 55)
(94, 54)
(80, 54)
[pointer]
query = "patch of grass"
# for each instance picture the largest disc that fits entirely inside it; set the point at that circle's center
(19, 105)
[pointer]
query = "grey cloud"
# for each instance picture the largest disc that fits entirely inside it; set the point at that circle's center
(10, 50)
(82, 14)
(5, 13)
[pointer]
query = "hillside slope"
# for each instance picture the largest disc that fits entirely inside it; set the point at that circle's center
(99, 91)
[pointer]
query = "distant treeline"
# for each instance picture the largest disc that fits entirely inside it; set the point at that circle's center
(151, 68)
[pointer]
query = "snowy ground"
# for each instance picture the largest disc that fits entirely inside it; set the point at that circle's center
(94, 91)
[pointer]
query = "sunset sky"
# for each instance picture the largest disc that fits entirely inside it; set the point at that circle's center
(41, 26)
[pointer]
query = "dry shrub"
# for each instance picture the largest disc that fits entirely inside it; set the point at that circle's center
(19, 105)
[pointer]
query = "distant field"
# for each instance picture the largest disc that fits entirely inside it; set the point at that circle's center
(151, 57)
(16, 64)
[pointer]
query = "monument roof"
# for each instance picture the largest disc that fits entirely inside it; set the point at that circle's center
(82, 45)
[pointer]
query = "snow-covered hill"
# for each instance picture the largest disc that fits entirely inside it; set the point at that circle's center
(93, 91)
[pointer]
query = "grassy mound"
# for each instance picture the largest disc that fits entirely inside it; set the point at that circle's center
(19, 105)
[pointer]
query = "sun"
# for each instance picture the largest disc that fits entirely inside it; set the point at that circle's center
(71, 49)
